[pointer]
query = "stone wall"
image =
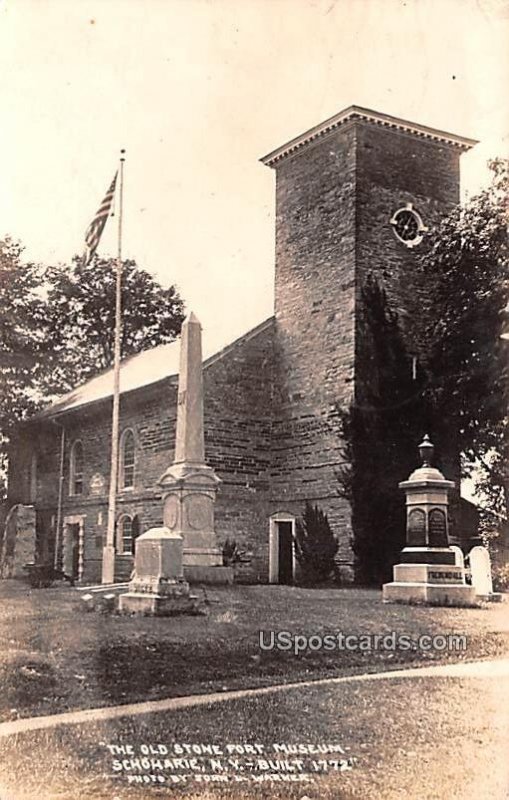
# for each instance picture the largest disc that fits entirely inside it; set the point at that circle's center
(395, 168)
(315, 308)
(238, 425)
(19, 542)
(237, 439)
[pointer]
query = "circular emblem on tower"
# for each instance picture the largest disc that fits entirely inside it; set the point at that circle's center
(408, 226)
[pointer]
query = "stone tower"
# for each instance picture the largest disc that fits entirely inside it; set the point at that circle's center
(354, 195)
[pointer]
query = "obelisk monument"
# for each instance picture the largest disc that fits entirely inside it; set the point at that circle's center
(189, 486)
(189, 439)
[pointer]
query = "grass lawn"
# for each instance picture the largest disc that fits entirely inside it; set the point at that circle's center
(425, 738)
(73, 659)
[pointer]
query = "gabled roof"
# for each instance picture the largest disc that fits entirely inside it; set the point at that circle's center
(136, 372)
(353, 113)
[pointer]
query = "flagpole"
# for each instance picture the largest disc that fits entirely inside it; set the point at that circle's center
(108, 565)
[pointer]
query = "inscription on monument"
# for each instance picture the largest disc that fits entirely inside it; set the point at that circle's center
(170, 512)
(446, 577)
(416, 528)
(437, 528)
(199, 511)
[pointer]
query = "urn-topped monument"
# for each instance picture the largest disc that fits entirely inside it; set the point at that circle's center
(427, 572)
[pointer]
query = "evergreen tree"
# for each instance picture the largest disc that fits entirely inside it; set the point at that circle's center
(381, 431)
(315, 545)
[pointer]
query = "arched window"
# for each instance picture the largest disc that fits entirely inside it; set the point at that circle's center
(136, 532)
(76, 469)
(127, 453)
(125, 536)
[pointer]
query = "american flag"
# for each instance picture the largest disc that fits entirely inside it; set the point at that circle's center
(96, 227)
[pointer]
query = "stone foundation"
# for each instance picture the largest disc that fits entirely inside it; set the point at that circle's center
(429, 594)
(198, 573)
(158, 605)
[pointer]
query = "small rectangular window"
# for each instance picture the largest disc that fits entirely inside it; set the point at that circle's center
(76, 471)
(127, 458)
(125, 536)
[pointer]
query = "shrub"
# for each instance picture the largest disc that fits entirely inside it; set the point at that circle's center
(315, 545)
(232, 554)
(500, 576)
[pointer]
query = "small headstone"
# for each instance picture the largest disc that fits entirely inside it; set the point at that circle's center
(480, 571)
(459, 560)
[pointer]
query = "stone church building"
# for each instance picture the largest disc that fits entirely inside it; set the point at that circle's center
(354, 195)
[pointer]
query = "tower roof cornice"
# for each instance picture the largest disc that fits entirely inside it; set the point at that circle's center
(359, 114)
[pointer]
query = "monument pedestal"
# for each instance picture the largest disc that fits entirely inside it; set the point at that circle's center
(158, 605)
(189, 492)
(158, 587)
(431, 594)
(434, 583)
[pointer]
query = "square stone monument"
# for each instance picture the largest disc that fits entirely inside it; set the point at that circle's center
(428, 572)
(158, 587)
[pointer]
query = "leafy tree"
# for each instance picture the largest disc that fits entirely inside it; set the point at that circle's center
(80, 318)
(57, 328)
(315, 545)
(20, 342)
(460, 393)
(467, 268)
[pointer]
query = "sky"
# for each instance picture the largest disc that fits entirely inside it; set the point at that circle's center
(197, 91)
